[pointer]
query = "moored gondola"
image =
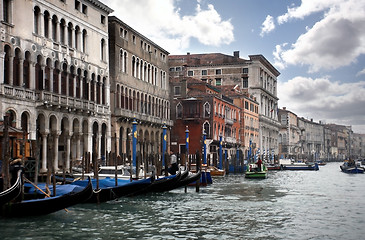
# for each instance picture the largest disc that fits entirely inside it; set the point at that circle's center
(108, 191)
(12, 192)
(34, 207)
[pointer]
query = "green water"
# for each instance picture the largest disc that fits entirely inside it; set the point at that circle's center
(324, 204)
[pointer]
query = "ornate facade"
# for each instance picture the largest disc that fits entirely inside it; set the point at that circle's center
(139, 90)
(55, 76)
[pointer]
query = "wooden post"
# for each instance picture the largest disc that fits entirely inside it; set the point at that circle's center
(197, 184)
(115, 159)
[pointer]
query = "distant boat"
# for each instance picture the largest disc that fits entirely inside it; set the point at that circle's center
(12, 192)
(253, 171)
(273, 166)
(288, 164)
(214, 171)
(34, 207)
(346, 167)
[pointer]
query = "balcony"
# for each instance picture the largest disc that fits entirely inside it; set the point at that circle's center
(119, 112)
(52, 99)
(228, 121)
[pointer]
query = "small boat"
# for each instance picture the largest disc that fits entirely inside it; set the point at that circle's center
(214, 171)
(349, 167)
(109, 191)
(12, 192)
(273, 166)
(34, 207)
(288, 164)
(253, 171)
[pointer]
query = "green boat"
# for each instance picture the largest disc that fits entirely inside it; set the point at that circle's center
(254, 172)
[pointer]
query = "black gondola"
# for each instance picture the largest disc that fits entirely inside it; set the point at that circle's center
(189, 179)
(13, 192)
(47, 205)
(108, 191)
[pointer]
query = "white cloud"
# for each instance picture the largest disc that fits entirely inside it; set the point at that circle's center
(267, 26)
(340, 103)
(162, 22)
(362, 72)
(337, 40)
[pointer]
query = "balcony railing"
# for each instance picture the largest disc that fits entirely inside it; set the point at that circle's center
(119, 112)
(52, 99)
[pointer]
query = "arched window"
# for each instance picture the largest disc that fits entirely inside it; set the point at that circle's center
(206, 110)
(133, 66)
(71, 78)
(206, 127)
(77, 38)
(46, 24)
(47, 75)
(92, 92)
(16, 67)
(125, 63)
(69, 34)
(78, 83)
(64, 79)
(7, 63)
(39, 73)
(84, 41)
(179, 110)
(98, 88)
(62, 31)
(102, 49)
(26, 70)
(37, 15)
(85, 87)
(56, 77)
(103, 92)
(54, 28)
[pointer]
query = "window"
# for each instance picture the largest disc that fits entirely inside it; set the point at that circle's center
(218, 81)
(178, 69)
(134, 39)
(84, 9)
(77, 5)
(172, 69)
(206, 128)
(206, 110)
(246, 105)
(177, 90)
(245, 82)
(179, 110)
(190, 73)
(102, 19)
(204, 72)
(218, 71)
(245, 70)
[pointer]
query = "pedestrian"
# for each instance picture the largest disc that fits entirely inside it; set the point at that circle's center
(173, 164)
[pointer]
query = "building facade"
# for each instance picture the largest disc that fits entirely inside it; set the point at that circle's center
(256, 74)
(55, 76)
(139, 90)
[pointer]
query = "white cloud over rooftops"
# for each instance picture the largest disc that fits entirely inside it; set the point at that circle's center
(341, 103)
(162, 22)
(337, 40)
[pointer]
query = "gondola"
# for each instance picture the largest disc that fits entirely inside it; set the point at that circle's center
(161, 184)
(35, 207)
(14, 191)
(108, 191)
(193, 177)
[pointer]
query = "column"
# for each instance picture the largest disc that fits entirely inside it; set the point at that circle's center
(2, 58)
(21, 80)
(78, 142)
(68, 151)
(55, 148)
(41, 25)
(44, 152)
(11, 62)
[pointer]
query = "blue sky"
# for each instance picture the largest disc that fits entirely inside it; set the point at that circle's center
(318, 46)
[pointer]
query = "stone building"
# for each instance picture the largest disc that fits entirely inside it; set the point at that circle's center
(256, 74)
(54, 80)
(290, 136)
(312, 139)
(139, 90)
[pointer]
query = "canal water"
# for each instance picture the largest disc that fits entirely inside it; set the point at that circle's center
(324, 204)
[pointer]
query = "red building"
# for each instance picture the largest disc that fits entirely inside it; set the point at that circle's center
(199, 106)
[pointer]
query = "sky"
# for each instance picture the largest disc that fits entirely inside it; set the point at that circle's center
(318, 46)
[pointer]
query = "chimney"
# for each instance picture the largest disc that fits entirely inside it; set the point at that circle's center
(284, 108)
(236, 54)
